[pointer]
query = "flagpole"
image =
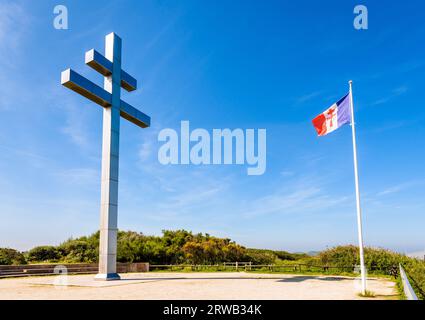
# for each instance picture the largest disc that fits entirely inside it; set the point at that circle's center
(356, 179)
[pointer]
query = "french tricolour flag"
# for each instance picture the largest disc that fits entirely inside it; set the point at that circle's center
(334, 117)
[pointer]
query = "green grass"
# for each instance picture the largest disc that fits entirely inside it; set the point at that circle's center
(367, 294)
(400, 290)
(267, 271)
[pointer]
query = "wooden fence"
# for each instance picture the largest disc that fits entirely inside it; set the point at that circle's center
(249, 267)
(289, 268)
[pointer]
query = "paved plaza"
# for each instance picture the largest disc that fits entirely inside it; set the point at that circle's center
(167, 285)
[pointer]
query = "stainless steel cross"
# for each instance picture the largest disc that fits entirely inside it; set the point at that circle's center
(109, 97)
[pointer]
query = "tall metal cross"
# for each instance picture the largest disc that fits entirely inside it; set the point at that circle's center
(113, 108)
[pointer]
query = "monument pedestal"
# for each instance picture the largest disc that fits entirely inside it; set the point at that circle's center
(107, 276)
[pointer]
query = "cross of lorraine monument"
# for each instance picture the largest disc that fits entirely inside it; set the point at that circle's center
(113, 108)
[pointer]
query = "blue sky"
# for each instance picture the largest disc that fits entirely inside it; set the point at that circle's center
(218, 64)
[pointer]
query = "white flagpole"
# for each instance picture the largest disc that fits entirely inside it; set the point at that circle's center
(356, 178)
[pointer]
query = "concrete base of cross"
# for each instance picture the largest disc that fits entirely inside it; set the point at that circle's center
(107, 276)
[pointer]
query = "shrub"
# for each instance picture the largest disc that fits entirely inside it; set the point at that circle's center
(260, 256)
(130, 246)
(76, 251)
(376, 260)
(11, 256)
(341, 256)
(43, 254)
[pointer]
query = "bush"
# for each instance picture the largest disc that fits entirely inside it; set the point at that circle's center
(136, 247)
(284, 255)
(43, 254)
(376, 260)
(11, 256)
(341, 256)
(211, 250)
(78, 251)
(260, 256)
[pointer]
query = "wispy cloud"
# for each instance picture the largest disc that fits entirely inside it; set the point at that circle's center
(404, 67)
(287, 173)
(147, 151)
(79, 176)
(400, 187)
(32, 157)
(164, 30)
(13, 27)
(307, 97)
(183, 195)
(76, 122)
(303, 198)
(13, 23)
(393, 125)
(76, 130)
(400, 90)
(191, 197)
(395, 93)
(411, 65)
(156, 71)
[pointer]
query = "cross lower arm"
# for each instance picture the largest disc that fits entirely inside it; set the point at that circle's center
(74, 81)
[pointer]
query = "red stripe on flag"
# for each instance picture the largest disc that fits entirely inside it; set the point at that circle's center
(319, 124)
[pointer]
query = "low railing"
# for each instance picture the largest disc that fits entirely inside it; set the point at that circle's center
(77, 268)
(407, 288)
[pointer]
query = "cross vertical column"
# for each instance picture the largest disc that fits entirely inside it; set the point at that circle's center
(109, 97)
(110, 164)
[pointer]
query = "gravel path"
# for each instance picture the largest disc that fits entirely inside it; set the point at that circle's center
(229, 285)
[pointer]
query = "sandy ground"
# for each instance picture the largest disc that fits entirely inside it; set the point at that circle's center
(198, 286)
